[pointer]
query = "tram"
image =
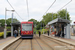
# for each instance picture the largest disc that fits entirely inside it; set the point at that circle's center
(27, 29)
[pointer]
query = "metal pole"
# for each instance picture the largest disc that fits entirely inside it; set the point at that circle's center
(66, 13)
(5, 24)
(43, 28)
(12, 25)
(52, 16)
(12, 17)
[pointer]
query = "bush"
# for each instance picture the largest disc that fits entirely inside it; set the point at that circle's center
(1, 34)
(45, 31)
(8, 27)
(7, 34)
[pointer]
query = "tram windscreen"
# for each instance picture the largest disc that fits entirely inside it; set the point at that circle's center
(26, 27)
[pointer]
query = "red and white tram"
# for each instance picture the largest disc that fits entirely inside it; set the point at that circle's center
(27, 29)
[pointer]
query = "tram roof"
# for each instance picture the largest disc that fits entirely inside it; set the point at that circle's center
(58, 20)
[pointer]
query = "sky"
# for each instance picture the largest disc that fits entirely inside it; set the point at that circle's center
(37, 8)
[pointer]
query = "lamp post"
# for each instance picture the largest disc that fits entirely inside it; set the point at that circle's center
(5, 24)
(11, 23)
(5, 21)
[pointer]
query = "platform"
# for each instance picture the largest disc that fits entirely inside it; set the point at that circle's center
(5, 42)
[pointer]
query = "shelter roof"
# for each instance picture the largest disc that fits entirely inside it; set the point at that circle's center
(16, 23)
(58, 20)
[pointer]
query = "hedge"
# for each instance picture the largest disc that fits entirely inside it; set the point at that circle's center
(2, 33)
(45, 31)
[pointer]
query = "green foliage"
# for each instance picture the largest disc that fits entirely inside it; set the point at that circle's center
(34, 21)
(2, 33)
(48, 17)
(2, 21)
(38, 27)
(8, 21)
(8, 33)
(8, 27)
(45, 31)
(62, 14)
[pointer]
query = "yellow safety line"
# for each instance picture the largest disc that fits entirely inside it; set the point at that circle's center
(6, 42)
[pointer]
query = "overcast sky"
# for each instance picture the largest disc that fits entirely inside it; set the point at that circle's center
(37, 8)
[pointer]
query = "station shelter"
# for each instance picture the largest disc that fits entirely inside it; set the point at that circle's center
(63, 24)
(15, 26)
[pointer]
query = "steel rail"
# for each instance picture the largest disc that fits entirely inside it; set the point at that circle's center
(56, 42)
(38, 44)
(18, 45)
(31, 45)
(46, 43)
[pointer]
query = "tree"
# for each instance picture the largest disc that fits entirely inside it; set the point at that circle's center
(38, 27)
(2, 21)
(8, 21)
(62, 14)
(34, 21)
(48, 17)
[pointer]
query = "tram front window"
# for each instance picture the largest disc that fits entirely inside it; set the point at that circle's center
(26, 27)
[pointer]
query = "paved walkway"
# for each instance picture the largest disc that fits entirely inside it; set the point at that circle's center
(73, 37)
(6, 39)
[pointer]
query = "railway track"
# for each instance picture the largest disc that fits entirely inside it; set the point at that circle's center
(55, 44)
(42, 43)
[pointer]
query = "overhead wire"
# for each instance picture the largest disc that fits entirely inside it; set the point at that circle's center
(60, 8)
(14, 9)
(65, 5)
(50, 6)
